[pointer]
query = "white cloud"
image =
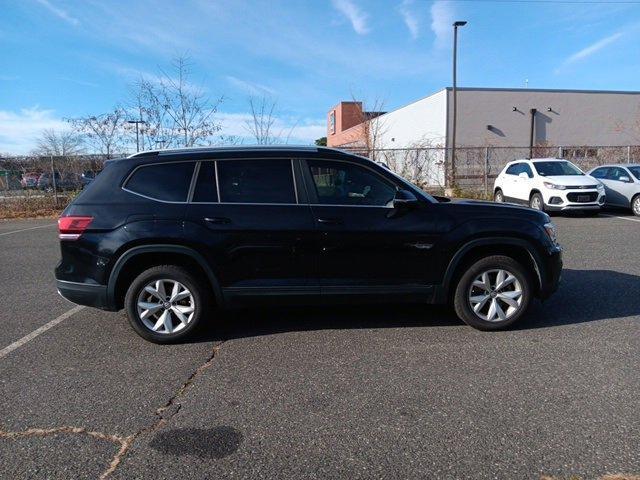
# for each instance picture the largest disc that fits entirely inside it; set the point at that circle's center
(593, 48)
(441, 21)
(59, 12)
(409, 17)
(19, 131)
(358, 19)
(251, 88)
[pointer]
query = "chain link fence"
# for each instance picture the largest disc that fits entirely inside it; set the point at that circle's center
(476, 168)
(43, 185)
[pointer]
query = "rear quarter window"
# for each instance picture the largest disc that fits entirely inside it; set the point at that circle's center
(168, 182)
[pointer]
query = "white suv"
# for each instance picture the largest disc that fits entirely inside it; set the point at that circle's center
(549, 184)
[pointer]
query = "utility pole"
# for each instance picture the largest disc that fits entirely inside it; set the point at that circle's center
(531, 131)
(455, 100)
(137, 122)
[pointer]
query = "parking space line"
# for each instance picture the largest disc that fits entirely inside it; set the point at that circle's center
(637, 220)
(26, 229)
(27, 338)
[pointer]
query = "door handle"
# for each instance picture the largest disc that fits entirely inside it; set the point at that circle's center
(218, 220)
(330, 221)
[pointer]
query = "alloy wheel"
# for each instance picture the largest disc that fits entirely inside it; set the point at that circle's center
(636, 206)
(165, 306)
(536, 203)
(495, 295)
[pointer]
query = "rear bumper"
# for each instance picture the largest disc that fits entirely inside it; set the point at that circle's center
(85, 294)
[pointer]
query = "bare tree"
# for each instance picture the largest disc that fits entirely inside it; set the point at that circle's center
(105, 133)
(59, 143)
(263, 122)
(175, 112)
(367, 136)
(375, 127)
(158, 129)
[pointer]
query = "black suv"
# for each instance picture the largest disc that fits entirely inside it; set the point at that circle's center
(169, 235)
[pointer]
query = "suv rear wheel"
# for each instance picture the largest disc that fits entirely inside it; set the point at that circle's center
(498, 196)
(165, 304)
(493, 293)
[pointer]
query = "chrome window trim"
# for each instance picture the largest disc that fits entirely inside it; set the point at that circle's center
(194, 179)
(295, 185)
(144, 165)
(215, 167)
(386, 207)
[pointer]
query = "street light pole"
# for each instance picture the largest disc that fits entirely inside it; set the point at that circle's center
(137, 122)
(455, 100)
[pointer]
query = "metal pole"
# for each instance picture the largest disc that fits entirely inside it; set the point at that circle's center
(628, 153)
(455, 107)
(53, 181)
(486, 171)
(533, 126)
(137, 122)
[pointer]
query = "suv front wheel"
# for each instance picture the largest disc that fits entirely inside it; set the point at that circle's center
(536, 202)
(165, 304)
(493, 293)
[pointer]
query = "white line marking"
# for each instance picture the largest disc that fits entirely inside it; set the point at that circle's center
(25, 229)
(27, 338)
(621, 218)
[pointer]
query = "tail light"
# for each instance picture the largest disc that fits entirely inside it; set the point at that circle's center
(70, 228)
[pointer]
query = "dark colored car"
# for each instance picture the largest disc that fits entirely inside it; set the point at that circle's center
(169, 235)
(29, 180)
(87, 177)
(63, 181)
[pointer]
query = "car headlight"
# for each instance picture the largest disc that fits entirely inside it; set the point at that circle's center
(553, 186)
(600, 187)
(552, 232)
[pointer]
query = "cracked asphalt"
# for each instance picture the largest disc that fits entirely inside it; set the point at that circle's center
(358, 392)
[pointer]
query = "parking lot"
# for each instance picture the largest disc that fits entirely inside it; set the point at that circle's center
(358, 392)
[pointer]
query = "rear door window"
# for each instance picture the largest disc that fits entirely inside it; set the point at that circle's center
(600, 172)
(256, 181)
(167, 182)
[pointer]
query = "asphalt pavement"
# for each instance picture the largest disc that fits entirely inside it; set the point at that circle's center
(357, 392)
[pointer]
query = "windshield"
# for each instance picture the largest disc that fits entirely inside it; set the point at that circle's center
(635, 171)
(553, 168)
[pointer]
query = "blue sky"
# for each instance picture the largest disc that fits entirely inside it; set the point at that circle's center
(62, 58)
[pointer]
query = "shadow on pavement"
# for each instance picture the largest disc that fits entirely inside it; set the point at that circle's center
(583, 296)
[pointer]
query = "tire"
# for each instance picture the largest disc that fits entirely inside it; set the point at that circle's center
(489, 317)
(154, 327)
(635, 205)
(536, 202)
(498, 196)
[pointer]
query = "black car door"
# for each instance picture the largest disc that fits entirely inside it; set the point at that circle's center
(367, 245)
(255, 225)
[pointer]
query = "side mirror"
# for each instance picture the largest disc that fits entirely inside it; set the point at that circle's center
(524, 175)
(404, 199)
(624, 178)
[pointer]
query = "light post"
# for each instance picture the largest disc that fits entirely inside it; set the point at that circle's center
(460, 23)
(137, 122)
